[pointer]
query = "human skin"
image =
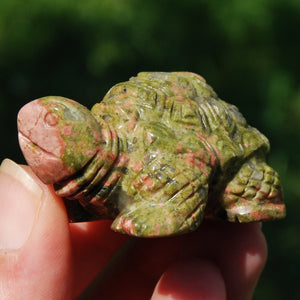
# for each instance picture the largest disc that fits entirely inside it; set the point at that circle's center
(42, 256)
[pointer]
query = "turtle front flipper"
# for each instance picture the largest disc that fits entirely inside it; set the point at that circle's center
(165, 200)
(254, 194)
(146, 219)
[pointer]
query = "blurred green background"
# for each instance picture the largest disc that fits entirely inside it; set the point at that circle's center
(247, 50)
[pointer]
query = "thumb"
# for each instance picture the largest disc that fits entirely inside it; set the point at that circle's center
(35, 258)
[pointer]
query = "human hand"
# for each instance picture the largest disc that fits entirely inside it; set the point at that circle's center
(42, 256)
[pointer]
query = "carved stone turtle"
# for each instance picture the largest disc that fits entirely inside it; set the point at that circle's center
(157, 154)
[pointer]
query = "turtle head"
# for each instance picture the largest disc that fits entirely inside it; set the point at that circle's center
(58, 137)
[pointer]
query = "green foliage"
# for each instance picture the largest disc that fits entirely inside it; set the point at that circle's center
(247, 50)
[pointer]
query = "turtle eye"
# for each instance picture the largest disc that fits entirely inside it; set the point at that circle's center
(50, 119)
(75, 115)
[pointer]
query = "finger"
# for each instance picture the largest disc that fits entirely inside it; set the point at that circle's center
(34, 239)
(188, 280)
(238, 250)
(94, 245)
(241, 257)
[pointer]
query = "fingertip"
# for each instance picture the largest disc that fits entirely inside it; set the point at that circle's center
(241, 258)
(253, 250)
(189, 280)
(255, 260)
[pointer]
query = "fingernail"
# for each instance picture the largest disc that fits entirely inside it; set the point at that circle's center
(20, 200)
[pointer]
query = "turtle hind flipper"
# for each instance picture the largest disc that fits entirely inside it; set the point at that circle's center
(254, 194)
(182, 213)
